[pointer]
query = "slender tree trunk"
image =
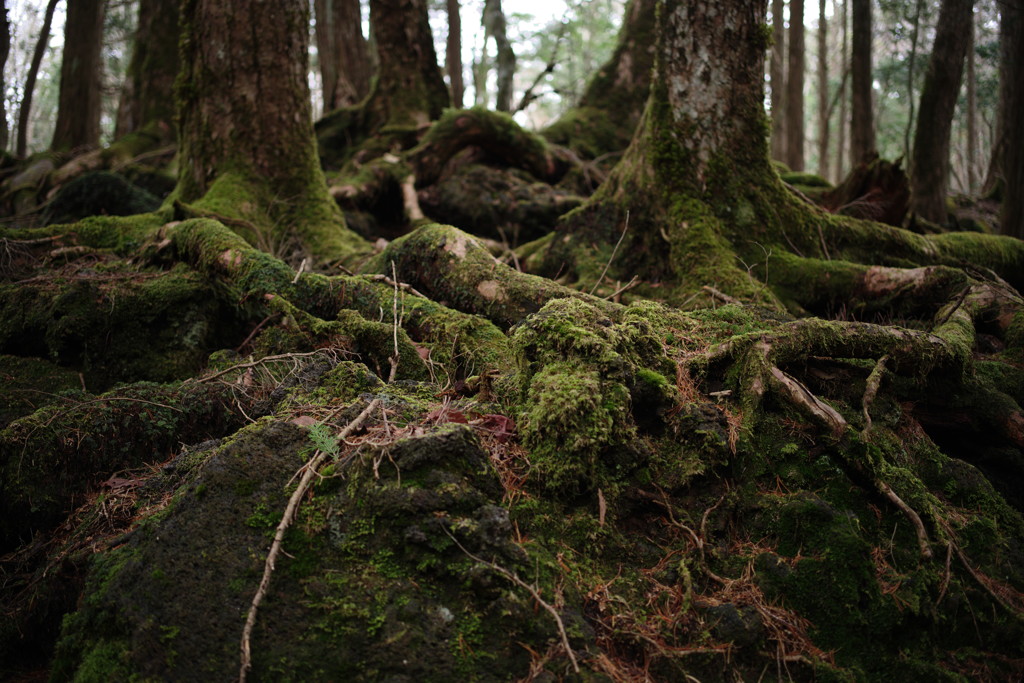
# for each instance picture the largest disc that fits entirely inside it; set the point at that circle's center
(795, 88)
(25, 111)
(841, 149)
(778, 80)
(78, 109)
(5, 48)
(410, 91)
(862, 126)
(911, 63)
(929, 173)
(1012, 216)
(823, 108)
(505, 57)
(972, 116)
(147, 99)
(453, 53)
(1010, 17)
(343, 53)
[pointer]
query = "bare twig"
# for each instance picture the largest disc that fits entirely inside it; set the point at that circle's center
(261, 361)
(624, 288)
(612, 257)
(514, 578)
(721, 296)
(394, 283)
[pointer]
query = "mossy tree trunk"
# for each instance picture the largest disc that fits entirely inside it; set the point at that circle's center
(778, 80)
(147, 99)
(246, 136)
(343, 53)
(929, 172)
(78, 109)
(609, 111)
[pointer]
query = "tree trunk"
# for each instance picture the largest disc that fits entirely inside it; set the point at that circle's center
(862, 126)
(453, 53)
(5, 48)
(795, 88)
(777, 70)
(505, 58)
(1010, 18)
(1012, 216)
(612, 104)
(929, 171)
(246, 138)
(823, 104)
(343, 53)
(972, 115)
(841, 148)
(911, 63)
(25, 111)
(410, 90)
(78, 109)
(147, 100)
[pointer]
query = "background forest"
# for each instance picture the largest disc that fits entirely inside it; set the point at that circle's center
(669, 340)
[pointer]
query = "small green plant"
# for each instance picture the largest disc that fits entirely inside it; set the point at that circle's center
(324, 439)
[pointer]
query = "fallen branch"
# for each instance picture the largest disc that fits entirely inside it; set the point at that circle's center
(612, 257)
(871, 390)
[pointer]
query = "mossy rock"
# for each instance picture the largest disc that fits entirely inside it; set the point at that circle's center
(99, 193)
(374, 586)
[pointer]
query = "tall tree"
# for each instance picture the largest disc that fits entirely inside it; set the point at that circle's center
(777, 70)
(929, 171)
(915, 30)
(611, 106)
(972, 112)
(81, 73)
(1011, 218)
(25, 110)
(823, 99)
(453, 53)
(246, 138)
(343, 52)
(795, 87)
(862, 122)
(841, 149)
(505, 57)
(147, 99)
(5, 48)
(1010, 18)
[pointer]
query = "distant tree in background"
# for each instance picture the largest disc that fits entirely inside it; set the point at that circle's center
(25, 110)
(930, 164)
(862, 124)
(5, 48)
(78, 111)
(343, 53)
(778, 80)
(495, 26)
(796, 64)
(147, 96)
(453, 53)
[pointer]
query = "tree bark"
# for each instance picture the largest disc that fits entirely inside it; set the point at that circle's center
(929, 172)
(343, 53)
(611, 106)
(410, 90)
(843, 127)
(147, 100)
(1012, 216)
(505, 57)
(862, 126)
(795, 88)
(78, 109)
(25, 111)
(5, 48)
(911, 62)
(823, 104)
(777, 71)
(246, 138)
(453, 53)
(972, 115)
